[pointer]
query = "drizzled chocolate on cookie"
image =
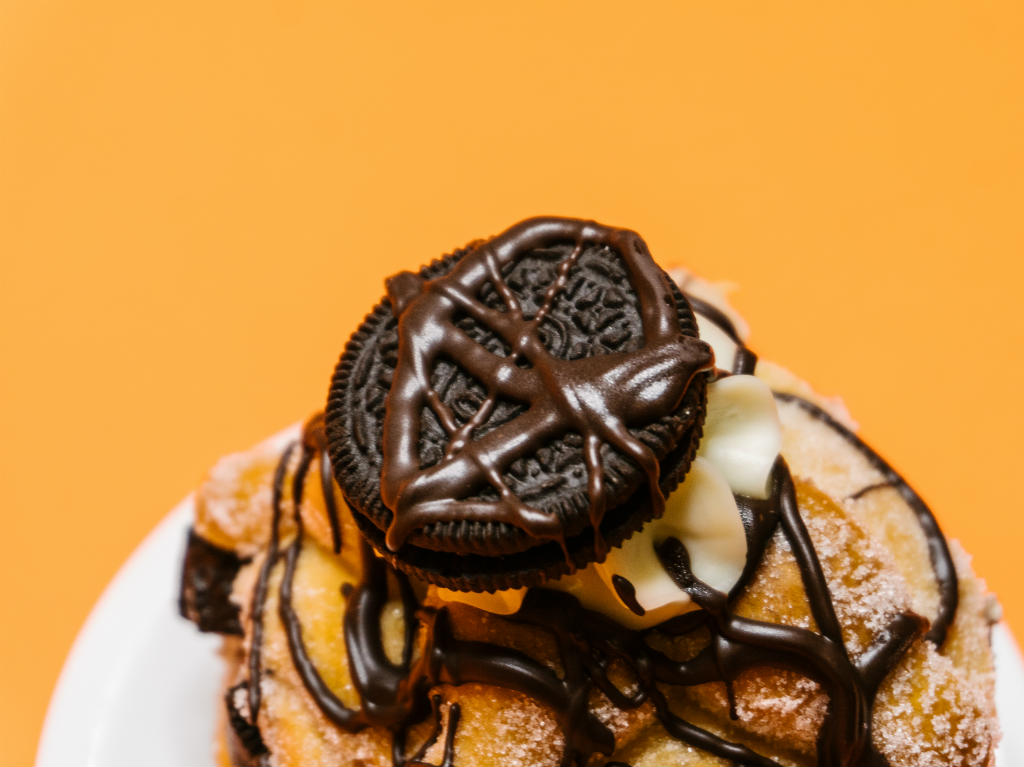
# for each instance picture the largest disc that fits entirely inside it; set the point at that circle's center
(598, 397)
(535, 397)
(488, 432)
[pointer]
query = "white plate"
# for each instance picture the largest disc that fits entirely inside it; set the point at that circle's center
(140, 686)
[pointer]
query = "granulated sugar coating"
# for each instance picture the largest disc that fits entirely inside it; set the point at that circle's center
(935, 707)
(926, 697)
(234, 503)
(949, 695)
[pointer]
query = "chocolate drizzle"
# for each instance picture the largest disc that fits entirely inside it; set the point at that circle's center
(869, 489)
(416, 760)
(745, 360)
(259, 596)
(597, 397)
(396, 696)
(592, 649)
(938, 549)
(316, 434)
(329, 703)
(626, 591)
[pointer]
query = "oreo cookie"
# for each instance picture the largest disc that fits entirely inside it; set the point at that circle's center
(513, 410)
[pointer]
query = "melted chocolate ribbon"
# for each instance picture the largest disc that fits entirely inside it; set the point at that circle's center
(397, 696)
(599, 397)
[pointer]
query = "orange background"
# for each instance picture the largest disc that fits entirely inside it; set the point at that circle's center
(200, 200)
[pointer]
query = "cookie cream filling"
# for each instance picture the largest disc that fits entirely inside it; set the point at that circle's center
(741, 442)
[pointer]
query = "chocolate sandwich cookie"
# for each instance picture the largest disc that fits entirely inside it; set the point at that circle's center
(511, 411)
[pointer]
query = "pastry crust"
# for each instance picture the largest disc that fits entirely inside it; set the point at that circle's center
(936, 706)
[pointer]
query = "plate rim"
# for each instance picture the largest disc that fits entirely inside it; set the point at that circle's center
(66, 721)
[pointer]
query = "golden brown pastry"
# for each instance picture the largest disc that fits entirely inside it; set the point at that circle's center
(788, 600)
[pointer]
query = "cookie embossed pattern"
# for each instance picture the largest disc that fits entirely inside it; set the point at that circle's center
(558, 512)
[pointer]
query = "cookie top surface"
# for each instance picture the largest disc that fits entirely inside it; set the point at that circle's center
(512, 410)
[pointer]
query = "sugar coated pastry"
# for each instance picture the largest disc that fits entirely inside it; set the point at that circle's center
(556, 512)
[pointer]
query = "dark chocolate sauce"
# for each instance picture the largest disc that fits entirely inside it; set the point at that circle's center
(398, 742)
(806, 557)
(315, 431)
(938, 549)
(745, 360)
(259, 596)
(627, 593)
(599, 397)
(329, 703)
(448, 755)
(396, 696)
(869, 489)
